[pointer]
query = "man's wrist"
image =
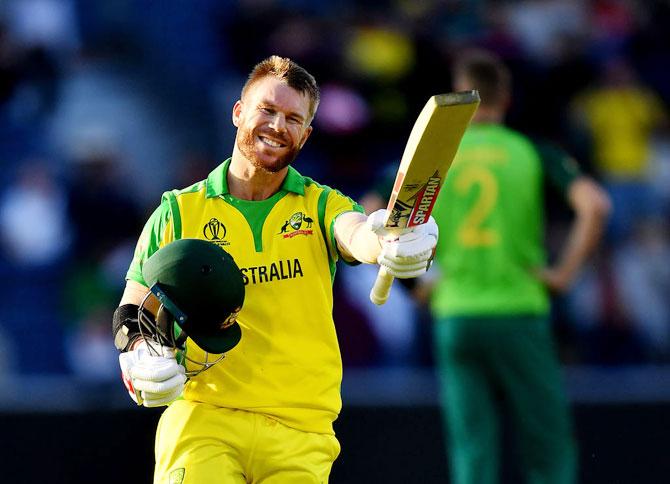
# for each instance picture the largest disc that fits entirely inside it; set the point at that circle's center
(134, 343)
(126, 327)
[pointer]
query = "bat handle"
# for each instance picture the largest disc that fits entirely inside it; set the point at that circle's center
(382, 287)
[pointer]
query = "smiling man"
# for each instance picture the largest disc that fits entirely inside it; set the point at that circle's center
(265, 412)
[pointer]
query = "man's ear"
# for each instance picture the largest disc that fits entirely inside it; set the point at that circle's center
(237, 112)
(305, 135)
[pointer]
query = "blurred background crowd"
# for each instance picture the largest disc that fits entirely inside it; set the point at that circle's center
(104, 105)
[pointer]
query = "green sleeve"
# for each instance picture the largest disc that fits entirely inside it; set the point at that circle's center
(150, 240)
(560, 168)
(349, 205)
(332, 203)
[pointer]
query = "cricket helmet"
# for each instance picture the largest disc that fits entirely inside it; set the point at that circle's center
(200, 290)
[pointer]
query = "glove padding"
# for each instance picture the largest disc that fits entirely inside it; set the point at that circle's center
(407, 253)
(152, 379)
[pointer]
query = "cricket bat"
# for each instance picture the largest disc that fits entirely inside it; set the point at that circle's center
(430, 149)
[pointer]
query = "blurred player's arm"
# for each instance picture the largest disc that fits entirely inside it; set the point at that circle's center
(591, 206)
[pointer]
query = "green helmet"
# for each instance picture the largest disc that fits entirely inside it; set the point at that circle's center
(200, 290)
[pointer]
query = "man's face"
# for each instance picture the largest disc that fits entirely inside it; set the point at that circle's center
(272, 124)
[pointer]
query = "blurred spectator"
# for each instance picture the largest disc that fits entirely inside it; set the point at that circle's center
(34, 234)
(34, 225)
(660, 171)
(28, 88)
(7, 354)
(51, 24)
(89, 354)
(44, 34)
(622, 116)
(9, 75)
(99, 199)
(342, 110)
(613, 24)
(394, 325)
(606, 331)
(537, 24)
(358, 343)
(381, 52)
(642, 270)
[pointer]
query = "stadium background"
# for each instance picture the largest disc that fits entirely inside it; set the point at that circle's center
(105, 104)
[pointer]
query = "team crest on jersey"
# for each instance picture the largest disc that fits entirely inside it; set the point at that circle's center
(232, 318)
(298, 224)
(215, 231)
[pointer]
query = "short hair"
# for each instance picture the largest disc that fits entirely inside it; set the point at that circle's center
(290, 72)
(486, 72)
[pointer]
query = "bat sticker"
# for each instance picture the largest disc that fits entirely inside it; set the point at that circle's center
(425, 200)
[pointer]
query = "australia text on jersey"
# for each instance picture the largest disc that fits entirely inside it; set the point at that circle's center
(276, 271)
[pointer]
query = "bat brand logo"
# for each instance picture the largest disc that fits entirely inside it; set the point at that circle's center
(399, 211)
(425, 200)
(296, 222)
(215, 231)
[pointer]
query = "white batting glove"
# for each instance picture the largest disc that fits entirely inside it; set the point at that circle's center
(406, 254)
(152, 380)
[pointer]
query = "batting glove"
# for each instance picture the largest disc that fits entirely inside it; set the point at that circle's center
(152, 378)
(407, 253)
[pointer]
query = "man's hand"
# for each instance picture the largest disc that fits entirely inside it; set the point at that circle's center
(556, 280)
(408, 253)
(152, 379)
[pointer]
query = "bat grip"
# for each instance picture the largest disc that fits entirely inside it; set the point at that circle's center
(382, 287)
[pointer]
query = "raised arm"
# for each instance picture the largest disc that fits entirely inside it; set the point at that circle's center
(405, 254)
(355, 239)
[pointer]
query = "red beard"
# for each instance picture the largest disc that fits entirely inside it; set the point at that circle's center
(246, 143)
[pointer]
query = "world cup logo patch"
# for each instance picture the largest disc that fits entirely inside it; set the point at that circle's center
(215, 231)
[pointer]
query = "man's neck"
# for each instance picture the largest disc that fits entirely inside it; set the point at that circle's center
(489, 115)
(248, 182)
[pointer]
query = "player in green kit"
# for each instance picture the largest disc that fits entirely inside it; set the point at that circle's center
(492, 334)
(265, 412)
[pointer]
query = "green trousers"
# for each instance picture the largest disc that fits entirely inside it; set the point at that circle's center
(494, 366)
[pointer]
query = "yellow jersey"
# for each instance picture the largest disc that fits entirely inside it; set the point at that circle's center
(622, 121)
(287, 365)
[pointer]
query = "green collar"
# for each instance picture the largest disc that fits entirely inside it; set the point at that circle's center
(217, 181)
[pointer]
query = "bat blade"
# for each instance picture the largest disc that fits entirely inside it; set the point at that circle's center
(430, 150)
